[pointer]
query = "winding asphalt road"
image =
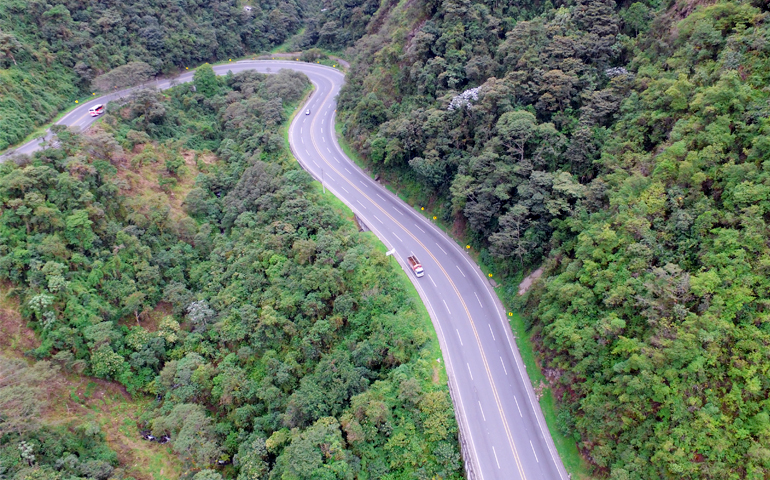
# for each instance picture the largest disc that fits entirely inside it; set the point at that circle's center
(500, 420)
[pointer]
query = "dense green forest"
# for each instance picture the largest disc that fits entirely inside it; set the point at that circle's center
(288, 347)
(623, 146)
(51, 51)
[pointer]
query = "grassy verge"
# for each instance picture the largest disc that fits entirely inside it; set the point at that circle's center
(565, 445)
(410, 192)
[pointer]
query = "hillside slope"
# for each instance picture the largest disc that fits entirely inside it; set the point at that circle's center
(51, 51)
(625, 147)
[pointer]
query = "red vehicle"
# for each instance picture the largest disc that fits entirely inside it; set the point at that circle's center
(415, 264)
(96, 110)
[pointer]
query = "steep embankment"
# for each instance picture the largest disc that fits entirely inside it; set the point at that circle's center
(626, 147)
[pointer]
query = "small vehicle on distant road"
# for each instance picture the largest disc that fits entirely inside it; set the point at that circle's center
(307, 112)
(96, 110)
(415, 265)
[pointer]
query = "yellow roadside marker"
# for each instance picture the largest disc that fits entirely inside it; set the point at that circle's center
(76, 101)
(422, 208)
(434, 218)
(510, 314)
(490, 275)
(467, 246)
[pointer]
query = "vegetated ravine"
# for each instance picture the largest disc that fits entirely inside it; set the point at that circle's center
(277, 340)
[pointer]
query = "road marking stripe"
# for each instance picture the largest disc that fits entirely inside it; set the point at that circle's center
(420, 229)
(447, 308)
(346, 190)
(330, 177)
(431, 281)
(361, 204)
(336, 159)
(458, 267)
(533, 451)
(346, 169)
(378, 218)
(477, 298)
(458, 333)
(439, 246)
(469, 370)
(504, 369)
(303, 140)
(498, 462)
(397, 237)
(490, 331)
(379, 196)
(362, 183)
(327, 149)
(517, 404)
(482, 412)
(495, 393)
(399, 211)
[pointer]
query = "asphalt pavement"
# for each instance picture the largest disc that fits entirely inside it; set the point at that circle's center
(501, 421)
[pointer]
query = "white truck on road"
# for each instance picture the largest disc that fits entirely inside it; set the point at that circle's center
(415, 264)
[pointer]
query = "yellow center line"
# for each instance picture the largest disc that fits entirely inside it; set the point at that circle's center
(465, 307)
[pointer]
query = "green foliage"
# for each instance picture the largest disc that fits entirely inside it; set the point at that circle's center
(52, 52)
(205, 80)
(293, 349)
(31, 450)
(634, 169)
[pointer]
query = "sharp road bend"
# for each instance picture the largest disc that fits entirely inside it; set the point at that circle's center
(502, 427)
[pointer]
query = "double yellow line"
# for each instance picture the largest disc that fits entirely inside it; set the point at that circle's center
(465, 307)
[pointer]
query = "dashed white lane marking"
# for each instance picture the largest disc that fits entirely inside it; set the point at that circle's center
(316, 163)
(439, 246)
(431, 281)
(330, 178)
(322, 121)
(398, 238)
(323, 139)
(307, 151)
(303, 140)
(469, 370)
(447, 307)
(517, 405)
(379, 196)
(300, 129)
(378, 219)
(482, 412)
(418, 227)
(362, 183)
(322, 130)
(458, 335)
(361, 204)
(498, 462)
(327, 149)
(346, 169)
(504, 369)
(533, 451)
(477, 298)
(490, 331)
(399, 211)
(346, 190)
(461, 271)
(337, 159)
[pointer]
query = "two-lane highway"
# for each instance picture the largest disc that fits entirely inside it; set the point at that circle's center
(496, 407)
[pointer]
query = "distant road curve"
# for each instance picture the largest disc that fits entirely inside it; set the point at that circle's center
(504, 435)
